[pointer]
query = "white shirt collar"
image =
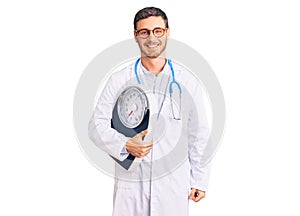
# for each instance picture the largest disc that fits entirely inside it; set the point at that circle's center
(149, 74)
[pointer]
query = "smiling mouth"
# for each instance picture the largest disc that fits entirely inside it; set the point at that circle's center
(152, 46)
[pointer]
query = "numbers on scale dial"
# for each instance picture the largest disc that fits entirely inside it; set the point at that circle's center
(132, 107)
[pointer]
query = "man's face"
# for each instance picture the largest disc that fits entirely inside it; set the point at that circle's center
(152, 47)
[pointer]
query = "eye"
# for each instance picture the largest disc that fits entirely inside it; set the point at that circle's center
(159, 31)
(143, 32)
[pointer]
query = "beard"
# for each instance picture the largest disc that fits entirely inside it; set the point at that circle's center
(153, 48)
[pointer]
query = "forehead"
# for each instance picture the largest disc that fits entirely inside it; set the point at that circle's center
(151, 23)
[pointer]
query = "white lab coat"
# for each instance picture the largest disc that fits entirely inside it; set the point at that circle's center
(160, 188)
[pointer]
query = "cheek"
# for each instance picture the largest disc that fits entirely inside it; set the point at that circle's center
(163, 41)
(140, 43)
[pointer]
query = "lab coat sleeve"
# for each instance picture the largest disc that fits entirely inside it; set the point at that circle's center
(198, 132)
(100, 131)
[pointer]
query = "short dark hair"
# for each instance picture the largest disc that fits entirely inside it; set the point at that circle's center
(148, 12)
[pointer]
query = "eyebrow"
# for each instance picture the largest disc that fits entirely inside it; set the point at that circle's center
(151, 29)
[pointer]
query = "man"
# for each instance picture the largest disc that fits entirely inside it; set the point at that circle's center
(170, 172)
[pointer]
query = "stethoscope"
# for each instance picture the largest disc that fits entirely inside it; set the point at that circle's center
(173, 82)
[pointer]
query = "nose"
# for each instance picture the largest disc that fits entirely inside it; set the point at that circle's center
(151, 37)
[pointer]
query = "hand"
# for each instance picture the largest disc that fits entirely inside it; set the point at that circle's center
(137, 147)
(196, 195)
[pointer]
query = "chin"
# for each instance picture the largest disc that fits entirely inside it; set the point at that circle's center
(153, 55)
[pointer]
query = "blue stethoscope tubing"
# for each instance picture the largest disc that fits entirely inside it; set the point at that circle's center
(173, 76)
(173, 82)
(171, 92)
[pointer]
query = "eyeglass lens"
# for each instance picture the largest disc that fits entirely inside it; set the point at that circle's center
(157, 32)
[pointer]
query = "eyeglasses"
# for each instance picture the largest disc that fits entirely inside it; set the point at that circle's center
(145, 33)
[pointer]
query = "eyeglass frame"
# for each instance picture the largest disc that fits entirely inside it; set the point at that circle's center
(149, 32)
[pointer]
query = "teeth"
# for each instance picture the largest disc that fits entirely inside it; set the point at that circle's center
(152, 46)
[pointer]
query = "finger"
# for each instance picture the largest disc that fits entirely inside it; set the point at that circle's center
(197, 199)
(145, 150)
(199, 196)
(141, 134)
(143, 154)
(192, 194)
(196, 195)
(192, 198)
(147, 145)
(144, 132)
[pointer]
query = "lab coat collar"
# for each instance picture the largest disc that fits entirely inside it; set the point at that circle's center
(149, 74)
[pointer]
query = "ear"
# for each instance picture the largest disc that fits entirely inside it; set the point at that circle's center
(168, 32)
(134, 35)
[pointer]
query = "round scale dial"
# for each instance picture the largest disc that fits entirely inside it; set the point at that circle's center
(132, 107)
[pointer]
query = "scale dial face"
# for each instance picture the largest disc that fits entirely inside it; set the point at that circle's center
(132, 107)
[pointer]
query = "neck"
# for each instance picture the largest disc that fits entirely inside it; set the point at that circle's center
(153, 65)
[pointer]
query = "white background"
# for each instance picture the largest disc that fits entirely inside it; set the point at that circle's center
(253, 47)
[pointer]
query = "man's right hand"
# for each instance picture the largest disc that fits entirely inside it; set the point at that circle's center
(137, 147)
